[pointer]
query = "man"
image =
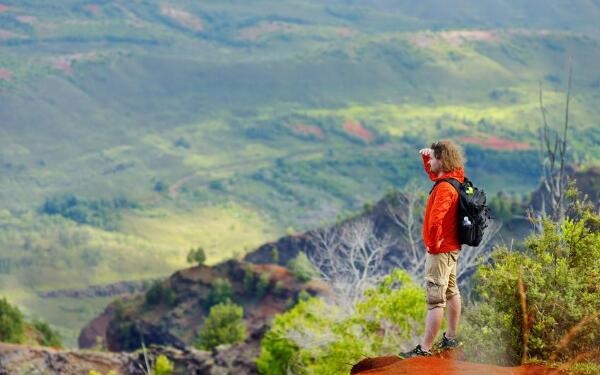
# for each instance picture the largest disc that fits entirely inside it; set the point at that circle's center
(440, 236)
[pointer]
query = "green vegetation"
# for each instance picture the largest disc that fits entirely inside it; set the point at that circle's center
(15, 329)
(221, 292)
(160, 293)
(196, 256)
(224, 325)
(48, 336)
(302, 268)
(162, 366)
(12, 324)
(554, 316)
(504, 207)
(315, 337)
(100, 213)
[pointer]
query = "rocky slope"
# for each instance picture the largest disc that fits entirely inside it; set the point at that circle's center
(237, 359)
(262, 290)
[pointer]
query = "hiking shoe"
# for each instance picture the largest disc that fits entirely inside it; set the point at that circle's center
(416, 352)
(448, 343)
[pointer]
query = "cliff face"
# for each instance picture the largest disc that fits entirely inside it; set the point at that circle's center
(288, 247)
(263, 290)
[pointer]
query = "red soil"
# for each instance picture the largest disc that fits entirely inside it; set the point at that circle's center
(253, 33)
(29, 20)
(277, 273)
(5, 34)
(63, 64)
(356, 129)
(94, 9)
(5, 74)
(496, 143)
(393, 365)
(182, 17)
(344, 32)
(303, 129)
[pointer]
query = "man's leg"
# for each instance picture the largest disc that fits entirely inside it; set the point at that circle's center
(433, 322)
(453, 300)
(454, 309)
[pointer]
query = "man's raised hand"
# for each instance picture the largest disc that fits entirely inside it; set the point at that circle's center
(425, 151)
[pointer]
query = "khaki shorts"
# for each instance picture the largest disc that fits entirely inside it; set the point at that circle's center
(440, 278)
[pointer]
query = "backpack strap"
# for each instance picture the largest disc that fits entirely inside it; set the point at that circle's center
(452, 181)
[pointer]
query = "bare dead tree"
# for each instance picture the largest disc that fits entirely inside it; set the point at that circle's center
(472, 257)
(350, 258)
(553, 154)
(407, 214)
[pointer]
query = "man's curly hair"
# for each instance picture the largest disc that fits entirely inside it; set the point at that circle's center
(449, 154)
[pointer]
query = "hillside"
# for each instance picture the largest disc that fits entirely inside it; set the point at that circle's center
(176, 315)
(226, 125)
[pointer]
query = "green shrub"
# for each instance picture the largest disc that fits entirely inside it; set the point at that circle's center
(560, 272)
(11, 323)
(102, 213)
(162, 366)
(302, 268)
(221, 292)
(197, 256)
(49, 337)
(316, 337)
(248, 280)
(224, 325)
(160, 293)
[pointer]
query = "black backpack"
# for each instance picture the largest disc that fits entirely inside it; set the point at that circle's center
(473, 212)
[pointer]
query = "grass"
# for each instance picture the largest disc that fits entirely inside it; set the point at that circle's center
(222, 231)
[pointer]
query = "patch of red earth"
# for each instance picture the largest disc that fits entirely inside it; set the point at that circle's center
(344, 32)
(457, 37)
(5, 74)
(94, 9)
(253, 33)
(276, 272)
(356, 129)
(63, 64)
(393, 365)
(182, 17)
(4, 8)
(304, 129)
(5, 34)
(29, 20)
(497, 143)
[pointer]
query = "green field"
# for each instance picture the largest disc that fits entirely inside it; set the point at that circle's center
(229, 124)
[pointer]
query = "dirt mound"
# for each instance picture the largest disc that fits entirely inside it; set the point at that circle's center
(497, 143)
(182, 17)
(308, 130)
(356, 129)
(393, 365)
(5, 74)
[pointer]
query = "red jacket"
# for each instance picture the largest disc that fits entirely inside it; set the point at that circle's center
(440, 225)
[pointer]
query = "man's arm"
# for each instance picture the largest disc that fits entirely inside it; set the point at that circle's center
(425, 154)
(444, 195)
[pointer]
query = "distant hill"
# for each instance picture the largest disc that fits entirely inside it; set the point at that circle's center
(230, 124)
